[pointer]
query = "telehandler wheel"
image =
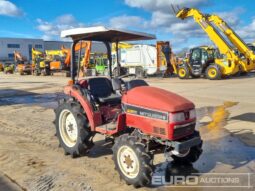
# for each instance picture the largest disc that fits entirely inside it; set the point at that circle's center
(213, 72)
(183, 72)
(189, 156)
(72, 129)
(132, 161)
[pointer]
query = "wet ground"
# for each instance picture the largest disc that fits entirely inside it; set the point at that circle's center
(30, 158)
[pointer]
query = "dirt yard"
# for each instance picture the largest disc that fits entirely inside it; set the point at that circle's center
(30, 157)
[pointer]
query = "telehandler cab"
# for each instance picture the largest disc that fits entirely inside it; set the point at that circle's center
(139, 119)
(228, 65)
(201, 62)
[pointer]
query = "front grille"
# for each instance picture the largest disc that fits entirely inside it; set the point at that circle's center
(182, 131)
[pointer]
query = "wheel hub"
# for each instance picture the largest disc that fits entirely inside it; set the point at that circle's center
(212, 72)
(68, 128)
(128, 161)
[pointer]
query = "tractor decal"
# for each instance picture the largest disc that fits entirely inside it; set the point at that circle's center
(136, 110)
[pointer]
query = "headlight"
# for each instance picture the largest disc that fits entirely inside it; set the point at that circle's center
(181, 116)
(177, 117)
(192, 114)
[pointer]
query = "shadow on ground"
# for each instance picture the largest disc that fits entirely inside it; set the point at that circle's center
(249, 117)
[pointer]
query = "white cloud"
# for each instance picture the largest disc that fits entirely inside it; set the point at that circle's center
(164, 21)
(125, 21)
(183, 32)
(7, 8)
(232, 17)
(51, 30)
(164, 5)
(248, 32)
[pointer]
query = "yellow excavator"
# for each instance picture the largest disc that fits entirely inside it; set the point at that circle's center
(226, 65)
(248, 56)
(56, 60)
(84, 62)
(39, 65)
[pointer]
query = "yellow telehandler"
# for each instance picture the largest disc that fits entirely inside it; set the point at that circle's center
(227, 65)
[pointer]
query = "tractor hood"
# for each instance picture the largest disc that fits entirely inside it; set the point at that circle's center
(156, 98)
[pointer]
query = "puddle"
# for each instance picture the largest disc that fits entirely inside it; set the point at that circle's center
(218, 116)
(47, 100)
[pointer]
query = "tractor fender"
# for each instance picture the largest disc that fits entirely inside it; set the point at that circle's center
(75, 93)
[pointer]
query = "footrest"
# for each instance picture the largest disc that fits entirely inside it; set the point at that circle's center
(108, 126)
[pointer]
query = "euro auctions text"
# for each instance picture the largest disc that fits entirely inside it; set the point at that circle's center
(242, 180)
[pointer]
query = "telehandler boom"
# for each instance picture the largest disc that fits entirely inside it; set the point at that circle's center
(236, 40)
(232, 63)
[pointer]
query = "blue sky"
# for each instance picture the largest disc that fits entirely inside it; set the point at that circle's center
(45, 19)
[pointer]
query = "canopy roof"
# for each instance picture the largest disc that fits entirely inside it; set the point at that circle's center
(101, 33)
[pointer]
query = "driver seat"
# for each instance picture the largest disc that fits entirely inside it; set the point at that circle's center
(102, 91)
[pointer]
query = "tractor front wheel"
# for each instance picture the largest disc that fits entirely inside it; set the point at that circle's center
(189, 156)
(132, 161)
(72, 129)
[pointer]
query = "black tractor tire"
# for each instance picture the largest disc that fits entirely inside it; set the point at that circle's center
(192, 156)
(183, 72)
(213, 72)
(138, 159)
(83, 141)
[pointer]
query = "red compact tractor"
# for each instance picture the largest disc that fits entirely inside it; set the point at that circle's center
(140, 119)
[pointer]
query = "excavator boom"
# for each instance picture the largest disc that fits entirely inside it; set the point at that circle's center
(84, 44)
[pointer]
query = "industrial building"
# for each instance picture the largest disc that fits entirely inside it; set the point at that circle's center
(24, 46)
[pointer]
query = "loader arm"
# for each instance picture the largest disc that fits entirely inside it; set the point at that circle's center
(223, 46)
(235, 39)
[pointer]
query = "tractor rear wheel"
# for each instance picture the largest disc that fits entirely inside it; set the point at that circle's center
(72, 129)
(132, 161)
(213, 72)
(183, 72)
